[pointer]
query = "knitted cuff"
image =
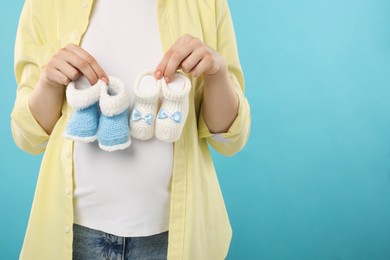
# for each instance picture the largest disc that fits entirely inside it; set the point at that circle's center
(114, 97)
(80, 94)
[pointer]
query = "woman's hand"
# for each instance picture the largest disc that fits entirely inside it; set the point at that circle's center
(220, 102)
(192, 56)
(66, 65)
(69, 64)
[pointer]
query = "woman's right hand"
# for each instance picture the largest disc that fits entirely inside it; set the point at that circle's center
(68, 64)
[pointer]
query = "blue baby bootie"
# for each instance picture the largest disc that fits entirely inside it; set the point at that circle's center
(83, 98)
(113, 131)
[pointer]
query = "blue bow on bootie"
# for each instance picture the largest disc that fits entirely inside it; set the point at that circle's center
(136, 116)
(175, 117)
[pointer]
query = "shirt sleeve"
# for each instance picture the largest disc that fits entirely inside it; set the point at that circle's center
(236, 137)
(26, 131)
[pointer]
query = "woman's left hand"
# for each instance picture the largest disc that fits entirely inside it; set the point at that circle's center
(192, 56)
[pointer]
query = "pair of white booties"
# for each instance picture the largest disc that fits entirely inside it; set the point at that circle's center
(110, 124)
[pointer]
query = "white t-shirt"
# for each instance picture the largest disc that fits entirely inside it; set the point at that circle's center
(125, 193)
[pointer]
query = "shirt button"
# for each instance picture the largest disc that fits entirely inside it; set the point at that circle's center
(67, 229)
(84, 4)
(74, 36)
(67, 191)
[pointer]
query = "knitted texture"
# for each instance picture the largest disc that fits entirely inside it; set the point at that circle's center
(113, 131)
(83, 98)
(142, 121)
(114, 98)
(173, 111)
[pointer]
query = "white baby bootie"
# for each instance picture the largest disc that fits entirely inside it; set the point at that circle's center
(83, 98)
(113, 132)
(174, 109)
(147, 91)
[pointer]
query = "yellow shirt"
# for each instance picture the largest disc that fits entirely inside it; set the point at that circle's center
(199, 227)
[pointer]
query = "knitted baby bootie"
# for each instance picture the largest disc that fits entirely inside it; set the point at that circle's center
(113, 131)
(174, 109)
(147, 91)
(83, 98)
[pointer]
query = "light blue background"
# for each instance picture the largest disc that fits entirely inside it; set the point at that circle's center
(314, 179)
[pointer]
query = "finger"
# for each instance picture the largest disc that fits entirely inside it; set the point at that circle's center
(83, 67)
(192, 60)
(55, 77)
(204, 65)
(175, 61)
(78, 63)
(179, 51)
(58, 72)
(159, 72)
(68, 56)
(101, 74)
(67, 69)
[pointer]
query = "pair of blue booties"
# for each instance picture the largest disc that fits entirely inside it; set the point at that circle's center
(100, 112)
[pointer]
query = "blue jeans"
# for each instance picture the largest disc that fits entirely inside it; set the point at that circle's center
(90, 244)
